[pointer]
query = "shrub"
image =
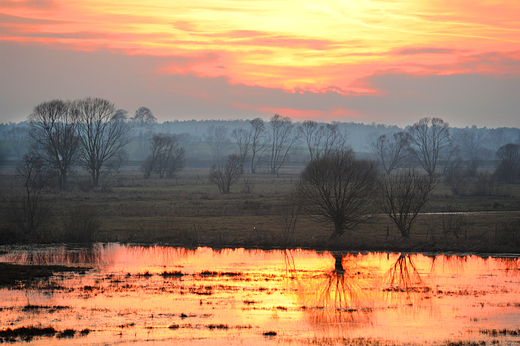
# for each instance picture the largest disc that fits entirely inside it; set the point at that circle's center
(80, 224)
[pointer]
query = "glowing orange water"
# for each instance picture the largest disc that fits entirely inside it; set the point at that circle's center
(165, 295)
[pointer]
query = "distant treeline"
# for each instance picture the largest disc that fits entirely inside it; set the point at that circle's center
(472, 141)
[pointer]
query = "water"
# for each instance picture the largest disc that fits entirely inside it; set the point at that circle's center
(162, 295)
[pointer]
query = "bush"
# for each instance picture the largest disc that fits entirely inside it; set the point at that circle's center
(80, 224)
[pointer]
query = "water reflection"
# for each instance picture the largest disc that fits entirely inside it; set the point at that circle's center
(239, 294)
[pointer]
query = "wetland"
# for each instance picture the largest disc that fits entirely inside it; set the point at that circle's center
(134, 294)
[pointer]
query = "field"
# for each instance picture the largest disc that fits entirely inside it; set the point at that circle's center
(189, 211)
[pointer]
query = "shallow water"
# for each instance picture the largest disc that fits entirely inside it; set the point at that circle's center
(163, 295)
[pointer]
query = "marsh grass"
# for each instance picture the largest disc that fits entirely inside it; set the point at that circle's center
(189, 211)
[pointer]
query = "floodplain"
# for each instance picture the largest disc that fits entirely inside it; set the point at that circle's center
(159, 295)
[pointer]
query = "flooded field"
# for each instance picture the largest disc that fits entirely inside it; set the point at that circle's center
(158, 295)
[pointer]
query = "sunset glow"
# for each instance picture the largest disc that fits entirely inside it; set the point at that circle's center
(325, 47)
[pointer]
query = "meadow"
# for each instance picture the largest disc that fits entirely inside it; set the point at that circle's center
(189, 211)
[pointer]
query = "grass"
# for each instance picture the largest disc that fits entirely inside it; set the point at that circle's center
(189, 211)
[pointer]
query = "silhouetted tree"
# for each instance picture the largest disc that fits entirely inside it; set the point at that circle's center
(54, 131)
(30, 213)
(226, 176)
(402, 197)
(391, 150)
(429, 142)
(258, 142)
(218, 141)
(144, 116)
(322, 139)
(281, 140)
(508, 169)
(338, 188)
(166, 156)
(101, 139)
(17, 139)
(243, 139)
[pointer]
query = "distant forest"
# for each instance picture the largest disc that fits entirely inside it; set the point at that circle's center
(195, 135)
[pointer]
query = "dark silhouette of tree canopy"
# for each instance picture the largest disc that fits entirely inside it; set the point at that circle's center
(101, 139)
(338, 188)
(226, 176)
(402, 196)
(391, 150)
(54, 131)
(166, 156)
(429, 139)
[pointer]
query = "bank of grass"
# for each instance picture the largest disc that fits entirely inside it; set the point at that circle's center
(189, 211)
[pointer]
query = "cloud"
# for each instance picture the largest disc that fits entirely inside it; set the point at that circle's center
(38, 73)
(30, 4)
(409, 51)
(9, 19)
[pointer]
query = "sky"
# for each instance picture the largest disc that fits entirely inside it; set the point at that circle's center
(382, 61)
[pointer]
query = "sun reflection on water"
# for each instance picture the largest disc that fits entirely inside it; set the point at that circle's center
(140, 294)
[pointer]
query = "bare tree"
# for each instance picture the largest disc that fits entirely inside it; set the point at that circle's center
(243, 139)
(166, 157)
(281, 140)
(322, 139)
(54, 130)
(101, 139)
(402, 196)
(338, 188)
(429, 142)
(144, 116)
(470, 142)
(226, 176)
(508, 169)
(30, 213)
(258, 142)
(17, 139)
(218, 141)
(120, 115)
(391, 150)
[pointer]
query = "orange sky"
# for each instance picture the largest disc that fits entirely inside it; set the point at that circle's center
(343, 49)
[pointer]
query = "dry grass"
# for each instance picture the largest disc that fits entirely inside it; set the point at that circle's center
(188, 210)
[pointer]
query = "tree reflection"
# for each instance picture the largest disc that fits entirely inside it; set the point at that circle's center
(404, 277)
(335, 297)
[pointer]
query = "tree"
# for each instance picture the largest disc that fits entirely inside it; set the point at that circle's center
(120, 115)
(258, 142)
(391, 150)
(54, 130)
(322, 139)
(30, 213)
(508, 169)
(218, 141)
(226, 176)
(402, 196)
(338, 188)
(166, 157)
(281, 140)
(429, 142)
(243, 139)
(470, 142)
(101, 138)
(144, 116)
(17, 139)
